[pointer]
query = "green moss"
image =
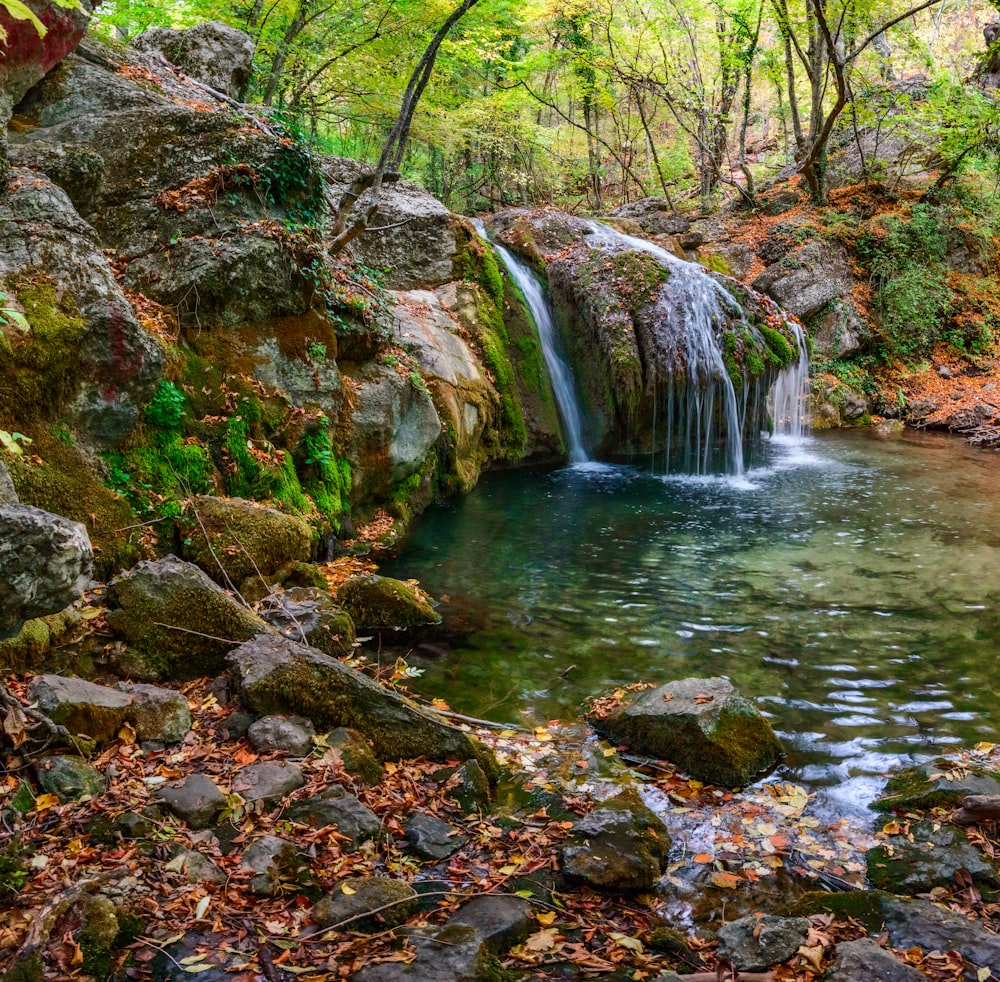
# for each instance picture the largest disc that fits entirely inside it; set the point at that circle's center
(779, 351)
(717, 264)
(863, 906)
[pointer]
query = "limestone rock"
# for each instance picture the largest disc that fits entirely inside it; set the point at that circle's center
(337, 808)
(838, 331)
(267, 782)
(363, 895)
(156, 713)
(620, 845)
(219, 56)
(171, 592)
(382, 602)
(69, 777)
(310, 616)
(654, 216)
(864, 961)
(195, 799)
(275, 675)
(753, 944)
(430, 838)
(289, 735)
(84, 708)
(468, 785)
(356, 755)
(805, 281)
(270, 858)
(45, 564)
(233, 540)
(704, 726)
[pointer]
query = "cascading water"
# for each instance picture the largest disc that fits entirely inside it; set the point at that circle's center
(563, 387)
(706, 418)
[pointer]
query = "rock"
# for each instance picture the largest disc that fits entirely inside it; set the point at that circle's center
(360, 895)
(654, 216)
(84, 708)
(838, 331)
(754, 944)
(382, 602)
(455, 953)
(432, 839)
(502, 922)
(393, 426)
(45, 564)
(276, 675)
(195, 799)
(267, 782)
(928, 858)
(270, 858)
(233, 540)
(36, 637)
(156, 713)
(467, 785)
(171, 592)
(291, 736)
(620, 845)
(864, 961)
(219, 56)
(196, 868)
(8, 496)
(69, 777)
(356, 756)
(930, 785)
(310, 616)
(808, 279)
(86, 358)
(97, 933)
(704, 726)
(343, 811)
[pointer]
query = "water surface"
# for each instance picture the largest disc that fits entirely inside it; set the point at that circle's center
(849, 584)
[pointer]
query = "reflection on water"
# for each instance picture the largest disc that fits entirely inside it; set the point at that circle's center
(850, 585)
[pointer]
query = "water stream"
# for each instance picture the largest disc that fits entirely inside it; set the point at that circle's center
(850, 585)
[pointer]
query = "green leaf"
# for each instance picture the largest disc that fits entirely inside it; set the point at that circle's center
(20, 11)
(9, 444)
(15, 317)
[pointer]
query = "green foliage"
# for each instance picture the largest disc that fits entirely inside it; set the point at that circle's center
(166, 408)
(326, 479)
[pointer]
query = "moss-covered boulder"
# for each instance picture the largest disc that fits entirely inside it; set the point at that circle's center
(704, 726)
(69, 777)
(275, 675)
(180, 623)
(382, 602)
(312, 617)
(35, 638)
(933, 784)
(232, 539)
(621, 845)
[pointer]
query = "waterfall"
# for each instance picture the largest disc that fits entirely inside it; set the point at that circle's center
(701, 401)
(560, 373)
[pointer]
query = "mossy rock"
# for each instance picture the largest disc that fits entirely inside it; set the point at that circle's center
(938, 783)
(356, 754)
(69, 777)
(232, 539)
(358, 895)
(382, 602)
(704, 726)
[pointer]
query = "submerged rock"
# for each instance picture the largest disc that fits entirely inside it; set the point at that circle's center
(620, 845)
(704, 726)
(180, 622)
(46, 562)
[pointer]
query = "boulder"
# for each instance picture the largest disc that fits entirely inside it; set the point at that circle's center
(431, 838)
(180, 621)
(925, 858)
(219, 56)
(45, 564)
(156, 713)
(704, 726)
(754, 944)
(69, 777)
(310, 616)
(357, 896)
(36, 637)
(838, 331)
(502, 922)
(233, 540)
(467, 785)
(288, 735)
(84, 708)
(382, 602)
(620, 845)
(807, 280)
(933, 784)
(268, 782)
(865, 961)
(335, 807)
(654, 216)
(84, 358)
(270, 858)
(195, 799)
(275, 675)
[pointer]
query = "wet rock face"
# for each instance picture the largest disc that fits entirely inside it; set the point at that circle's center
(704, 726)
(45, 564)
(219, 56)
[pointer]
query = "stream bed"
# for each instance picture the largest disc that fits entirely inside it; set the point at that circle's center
(847, 583)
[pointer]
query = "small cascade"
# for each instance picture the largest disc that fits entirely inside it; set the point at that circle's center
(707, 420)
(563, 386)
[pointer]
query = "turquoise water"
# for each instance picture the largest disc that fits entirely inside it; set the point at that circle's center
(849, 585)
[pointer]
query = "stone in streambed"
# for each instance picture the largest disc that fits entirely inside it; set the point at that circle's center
(270, 858)
(335, 807)
(310, 616)
(430, 838)
(502, 922)
(196, 868)
(864, 961)
(356, 756)
(927, 786)
(704, 726)
(360, 895)
(753, 944)
(382, 602)
(268, 782)
(454, 953)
